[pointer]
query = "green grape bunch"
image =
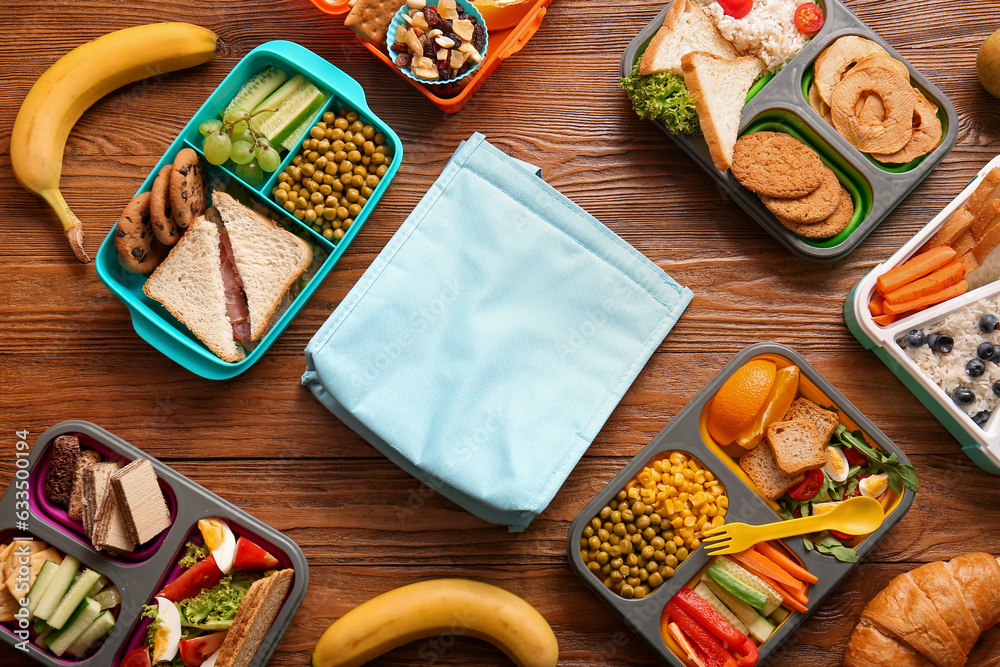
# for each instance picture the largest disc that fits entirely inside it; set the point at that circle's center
(233, 138)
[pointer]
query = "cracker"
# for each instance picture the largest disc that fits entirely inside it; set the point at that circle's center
(370, 19)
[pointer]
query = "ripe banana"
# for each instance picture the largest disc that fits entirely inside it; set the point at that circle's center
(77, 80)
(439, 607)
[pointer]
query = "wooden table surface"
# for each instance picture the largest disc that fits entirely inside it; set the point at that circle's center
(264, 443)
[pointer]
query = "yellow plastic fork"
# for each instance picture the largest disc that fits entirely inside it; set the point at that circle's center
(855, 516)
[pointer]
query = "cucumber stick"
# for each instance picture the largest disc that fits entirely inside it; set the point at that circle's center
(293, 139)
(254, 91)
(101, 626)
(109, 597)
(741, 609)
(74, 596)
(98, 585)
(85, 614)
(761, 629)
(42, 581)
(774, 598)
(275, 99)
(57, 588)
(299, 107)
(728, 582)
(702, 591)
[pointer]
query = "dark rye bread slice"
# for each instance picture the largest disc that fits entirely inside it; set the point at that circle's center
(144, 510)
(760, 466)
(254, 619)
(796, 445)
(87, 457)
(825, 420)
(62, 470)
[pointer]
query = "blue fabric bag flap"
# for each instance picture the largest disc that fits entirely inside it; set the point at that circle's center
(487, 344)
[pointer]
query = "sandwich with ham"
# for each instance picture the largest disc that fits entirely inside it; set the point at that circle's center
(227, 277)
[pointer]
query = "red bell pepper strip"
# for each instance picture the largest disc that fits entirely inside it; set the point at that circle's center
(701, 610)
(250, 556)
(203, 574)
(715, 653)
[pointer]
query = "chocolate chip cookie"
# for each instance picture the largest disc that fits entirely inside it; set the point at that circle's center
(166, 230)
(187, 187)
(137, 247)
(775, 164)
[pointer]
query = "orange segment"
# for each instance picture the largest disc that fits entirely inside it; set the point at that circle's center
(783, 391)
(735, 406)
(502, 14)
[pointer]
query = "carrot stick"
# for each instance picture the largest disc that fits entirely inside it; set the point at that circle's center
(786, 563)
(917, 267)
(875, 305)
(761, 565)
(885, 320)
(792, 603)
(949, 274)
(944, 294)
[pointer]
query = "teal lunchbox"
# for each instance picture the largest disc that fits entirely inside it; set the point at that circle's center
(151, 320)
(980, 443)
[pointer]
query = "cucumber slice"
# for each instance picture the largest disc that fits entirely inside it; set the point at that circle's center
(728, 582)
(702, 591)
(741, 609)
(76, 593)
(299, 107)
(255, 90)
(761, 629)
(42, 581)
(85, 614)
(275, 99)
(98, 585)
(774, 598)
(101, 626)
(295, 137)
(57, 588)
(109, 597)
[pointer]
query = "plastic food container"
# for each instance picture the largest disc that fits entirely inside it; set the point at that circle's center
(502, 45)
(687, 433)
(149, 319)
(779, 103)
(982, 445)
(139, 575)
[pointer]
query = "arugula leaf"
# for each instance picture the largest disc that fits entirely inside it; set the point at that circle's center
(830, 545)
(898, 474)
(807, 543)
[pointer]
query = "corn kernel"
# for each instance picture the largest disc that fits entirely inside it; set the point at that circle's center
(710, 510)
(721, 512)
(699, 477)
(677, 522)
(677, 457)
(701, 522)
(685, 512)
(698, 499)
(684, 534)
(689, 521)
(687, 473)
(694, 543)
(723, 502)
(717, 521)
(658, 465)
(709, 476)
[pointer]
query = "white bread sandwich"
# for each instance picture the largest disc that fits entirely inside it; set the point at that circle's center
(225, 279)
(686, 28)
(719, 87)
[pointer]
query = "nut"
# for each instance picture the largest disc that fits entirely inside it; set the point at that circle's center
(419, 21)
(416, 4)
(470, 52)
(445, 42)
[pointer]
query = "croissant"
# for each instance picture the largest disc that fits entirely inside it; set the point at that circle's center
(929, 617)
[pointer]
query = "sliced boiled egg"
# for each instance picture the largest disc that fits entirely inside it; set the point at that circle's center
(210, 660)
(168, 632)
(874, 486)
(836, 466)
(819, 509)
(220, 541)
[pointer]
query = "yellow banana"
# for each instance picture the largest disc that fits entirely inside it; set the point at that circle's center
(439, 608)
(77, 80)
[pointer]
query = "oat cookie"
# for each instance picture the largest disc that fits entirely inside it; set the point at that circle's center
(775, 164)
(187, 187)
(137, 248)
(166, 230)
(832, 226)
(815, 206)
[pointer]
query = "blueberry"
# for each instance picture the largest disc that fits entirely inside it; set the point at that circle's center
(986, 351)
(988, 323)
(975, 368)
(915, 338)
(932, 340)
(996, 388)
(963, 396)
(981, 417)
(944, 344)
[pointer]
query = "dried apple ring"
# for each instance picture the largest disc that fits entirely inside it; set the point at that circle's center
(897, 97)
(927, 133)
(833, 63)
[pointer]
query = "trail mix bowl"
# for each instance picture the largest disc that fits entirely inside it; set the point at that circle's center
(437, 42)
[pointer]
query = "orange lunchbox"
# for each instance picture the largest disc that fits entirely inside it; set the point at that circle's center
(503, 44)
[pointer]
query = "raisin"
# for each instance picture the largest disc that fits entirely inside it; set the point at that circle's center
(399, 47)
(445, 25)
(453, 37)
(429, 50)
(479, 37)
(404, 60)
(472, 20)
(431, 16)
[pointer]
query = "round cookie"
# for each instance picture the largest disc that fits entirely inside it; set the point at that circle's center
(815, 206)
(775, 164)
(137, 247)
(187, 187)
(832, 226)
(166, 230)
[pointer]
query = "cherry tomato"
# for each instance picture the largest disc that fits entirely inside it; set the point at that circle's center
(809, 17)
(196, 651)
(842, 536)
(249, 556)
(137, 658)
(736, 8)
(808, 487)
(854, 457)
(203, 574)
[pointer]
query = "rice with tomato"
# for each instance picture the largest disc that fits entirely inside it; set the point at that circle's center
(768, 31)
